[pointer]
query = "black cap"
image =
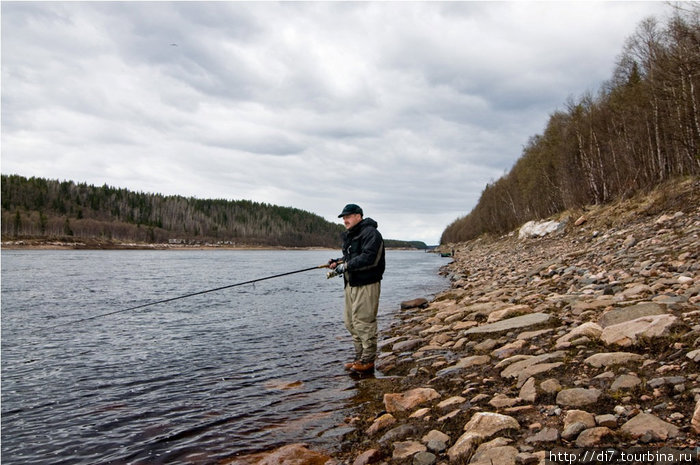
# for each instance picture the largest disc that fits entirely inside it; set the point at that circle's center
(350, 209)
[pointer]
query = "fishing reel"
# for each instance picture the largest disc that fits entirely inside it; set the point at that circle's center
(333, 274)
(337, 271)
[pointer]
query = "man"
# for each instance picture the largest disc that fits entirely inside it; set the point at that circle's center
(362, 268)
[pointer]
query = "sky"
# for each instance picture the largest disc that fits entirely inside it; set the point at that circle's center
(408, 109)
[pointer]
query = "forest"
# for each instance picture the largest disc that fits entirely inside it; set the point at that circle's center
(44, 209)
(641, 129)
(36, 207)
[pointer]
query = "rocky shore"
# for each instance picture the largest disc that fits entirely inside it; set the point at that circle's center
(584, 338)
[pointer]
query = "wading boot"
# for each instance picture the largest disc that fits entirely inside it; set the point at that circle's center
(362, 367)
(349, 365)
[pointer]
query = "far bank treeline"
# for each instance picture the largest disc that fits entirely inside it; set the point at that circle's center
(41, 208)
(641, 129)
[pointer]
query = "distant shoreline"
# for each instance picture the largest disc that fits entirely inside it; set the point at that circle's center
(80, 245)
(93, 244)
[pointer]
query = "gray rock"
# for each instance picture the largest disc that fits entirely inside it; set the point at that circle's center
(627, 333)
(578, 397)
(593, 436)
(510, 324)
(405, 449)
(399, 433)
(572, 431)
(607, 420)
(612, 358)
(407, 345)
(620, 315)
(546, 435)
(415, 303)
(647, 423)
(625, 382)
(424, 458)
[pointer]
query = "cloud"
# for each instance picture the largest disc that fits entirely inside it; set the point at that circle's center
(408, 109)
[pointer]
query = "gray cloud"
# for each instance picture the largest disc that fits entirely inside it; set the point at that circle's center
(406, 108)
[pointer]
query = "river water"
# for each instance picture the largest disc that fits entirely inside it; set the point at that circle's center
(194, 380)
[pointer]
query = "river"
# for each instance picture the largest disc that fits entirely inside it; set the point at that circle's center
(194, 380)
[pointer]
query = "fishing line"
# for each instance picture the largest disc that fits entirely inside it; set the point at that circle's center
(252, 281)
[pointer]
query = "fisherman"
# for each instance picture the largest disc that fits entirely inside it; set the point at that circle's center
(362, 268)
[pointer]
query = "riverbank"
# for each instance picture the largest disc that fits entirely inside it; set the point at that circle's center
(107, 244)
(587, 337)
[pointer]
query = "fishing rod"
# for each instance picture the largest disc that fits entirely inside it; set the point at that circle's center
(101, 315)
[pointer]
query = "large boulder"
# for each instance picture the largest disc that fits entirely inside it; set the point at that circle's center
(539, 228)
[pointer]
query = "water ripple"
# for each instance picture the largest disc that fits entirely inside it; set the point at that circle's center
(192, 381)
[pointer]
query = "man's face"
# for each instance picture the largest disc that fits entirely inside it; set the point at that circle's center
(351, 220)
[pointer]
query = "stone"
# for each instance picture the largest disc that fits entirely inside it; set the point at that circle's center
(622, 314)
(420, 413)
(381, 423)
(436, 440)
(424, 458)
(694, 355)
(367, 457)
(508, 312)
(398, 433)
(482, 425)
(612, 358)
(510, 324)
(625, 334)
(405, 449)
(501, 401)
(645, 423)
(452, 401)
(472, 361)
(546, 435)
(589, 329)
(407, 345)
(414, 303)
(579, 416)
(528, 392)
(518, 368)
(502, 455)
(550, 386)
(402, 402)
(695, 421)
(593, 436)
(449, 415)
(577, 397)
(291, 454)
(572, 431)
(539, 228)
(486, 345)
(606, 420)
(509, 349)
(625, 382)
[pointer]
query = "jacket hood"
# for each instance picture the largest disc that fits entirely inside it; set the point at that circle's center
(368, 222)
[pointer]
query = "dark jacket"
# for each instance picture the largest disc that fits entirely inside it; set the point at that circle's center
(363, 252)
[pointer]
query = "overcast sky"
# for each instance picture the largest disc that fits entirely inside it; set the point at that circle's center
(407, 109)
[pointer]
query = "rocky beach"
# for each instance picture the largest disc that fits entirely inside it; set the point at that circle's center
(579, 335)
